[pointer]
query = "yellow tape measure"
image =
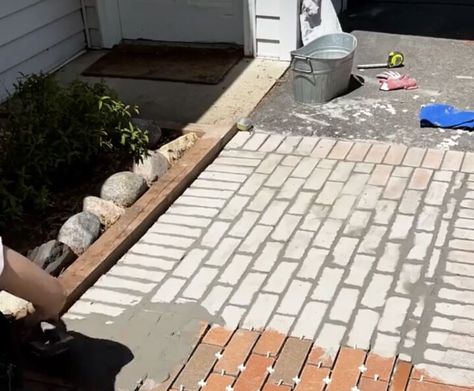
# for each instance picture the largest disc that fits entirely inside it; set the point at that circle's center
(395, 59)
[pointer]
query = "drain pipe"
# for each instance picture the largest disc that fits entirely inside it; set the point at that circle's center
(86, 25)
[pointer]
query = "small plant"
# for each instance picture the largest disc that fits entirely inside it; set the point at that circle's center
(51, 132)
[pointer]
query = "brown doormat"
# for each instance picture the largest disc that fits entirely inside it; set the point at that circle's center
(191, 64)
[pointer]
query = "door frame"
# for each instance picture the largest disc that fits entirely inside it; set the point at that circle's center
(110, 25)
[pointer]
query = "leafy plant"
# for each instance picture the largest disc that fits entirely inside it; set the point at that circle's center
(50, 132)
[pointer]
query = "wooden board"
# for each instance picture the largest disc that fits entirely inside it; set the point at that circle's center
(116, 241)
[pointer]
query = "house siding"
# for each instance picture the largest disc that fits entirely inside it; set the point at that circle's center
(37, 36)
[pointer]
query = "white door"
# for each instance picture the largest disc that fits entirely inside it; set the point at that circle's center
(176, 20)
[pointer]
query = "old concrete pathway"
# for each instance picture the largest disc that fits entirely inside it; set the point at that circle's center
(356, 244)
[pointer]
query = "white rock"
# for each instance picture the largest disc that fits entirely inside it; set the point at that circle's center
(123, 188)
(107, 212)
(153, 166)
(80, 231)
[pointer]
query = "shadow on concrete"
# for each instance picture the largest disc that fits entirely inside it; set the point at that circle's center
(429, 18)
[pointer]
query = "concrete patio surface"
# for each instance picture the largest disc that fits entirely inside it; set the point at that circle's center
(354, 244)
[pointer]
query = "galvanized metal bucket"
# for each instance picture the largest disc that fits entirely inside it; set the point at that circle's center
(322, 68)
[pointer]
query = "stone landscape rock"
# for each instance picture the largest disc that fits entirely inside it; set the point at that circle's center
(123, 188)
(107, 212)
(153, 166)
(176, 148)
(52, 256)
(154, 131)
(80, 231)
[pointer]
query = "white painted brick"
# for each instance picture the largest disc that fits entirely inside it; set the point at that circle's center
(215, 193)
(289, 144)
(238, 140)
(247, 289)
(190, 221)
(273, 213)
(457, 325)
(200, 201)
(327, 164)
(466, 213)
(328, 233)
(291, 161)
(459, 268)
(461, 256)
(401, 227)
(270, 254)
(200, 283)
(299, 244)
(409, 276)
(192, 211)
(327, 284)
(467, 245)
(216, 299)
(168, 290)
(461, 296)
(451, 341)
(394, 314)
(464, 223)
(215, 233)
(156, 251)
(85, 307)
(272, 143)
(356, 184)
(234, 207)
(243, 226)
(344, 305)
(146, 261)
(254, 240)
(455, 310)
(395, 188)
(314, 218)
(342, 171)
(223, 252)
(269, 164)
(302, 203)
(469, 204)
(369, 197)
(291, 187)
(365, 168)
(236, 161)
(372, 240)
(294, 297)
(433, 263)
(386, 345)
(173, 229)
(205, 184)
(305, 167)
(317, 179)
(167, 240)
(285, 227)
(262, 199)
(281, 323)
(363, 329)
(402, 172)
(312, 263)
(223, 176)
(357, 223)
(343, 250)
(242, 154)
(251, 186)
(328, 195)
(390, 258)
(111, 296)
(232, 316)
(436, 193)
(442, 233)
(279, 176)
(137, 273)
(261, 311)
(450, 356)
(428, 217)
(235, 270)
(443, 176)
(330, 338)
(255, 141)
(410, 201)
(360, 268)
(188, 266)
(450, 207)
(377, 290)
(420, 249)
(227, 169)
(309, 320)
(280, 277)
(109, 281)
(384, 211)
(306, 145)
(343, 207)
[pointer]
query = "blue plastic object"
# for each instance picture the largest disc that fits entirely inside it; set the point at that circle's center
(446, 116)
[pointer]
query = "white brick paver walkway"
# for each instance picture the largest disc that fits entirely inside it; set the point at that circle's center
(347, 243)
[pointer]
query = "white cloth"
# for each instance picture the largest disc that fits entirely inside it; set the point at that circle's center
(1, 256)
(318, 17)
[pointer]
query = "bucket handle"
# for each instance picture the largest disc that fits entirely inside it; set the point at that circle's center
(297, 59)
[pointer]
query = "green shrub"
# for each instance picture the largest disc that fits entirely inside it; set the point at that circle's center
(51, 132)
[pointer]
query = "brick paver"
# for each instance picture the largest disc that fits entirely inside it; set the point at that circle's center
(340, 242)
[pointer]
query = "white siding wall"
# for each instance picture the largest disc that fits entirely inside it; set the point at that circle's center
(37, 35)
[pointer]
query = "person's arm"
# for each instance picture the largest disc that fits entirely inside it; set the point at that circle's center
(24, 279)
